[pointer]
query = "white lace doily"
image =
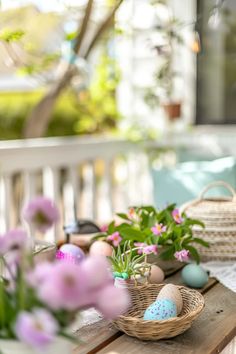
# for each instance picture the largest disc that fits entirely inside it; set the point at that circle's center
(224, 272)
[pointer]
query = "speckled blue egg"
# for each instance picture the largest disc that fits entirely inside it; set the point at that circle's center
(160, 310)
(194, 276)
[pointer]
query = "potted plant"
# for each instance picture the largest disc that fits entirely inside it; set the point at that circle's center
(163, 232)
(167, 38)
(129, 268)
(39, 302)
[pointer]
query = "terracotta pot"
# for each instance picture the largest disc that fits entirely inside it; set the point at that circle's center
(172, 110)
(11, 346)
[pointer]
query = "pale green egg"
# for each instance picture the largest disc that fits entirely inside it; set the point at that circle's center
(194, 276)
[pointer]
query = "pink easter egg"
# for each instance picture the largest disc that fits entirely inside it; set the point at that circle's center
(101, 248)
(157, 275)
(74, 251)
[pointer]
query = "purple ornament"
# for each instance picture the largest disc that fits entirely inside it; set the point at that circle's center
(71, 252)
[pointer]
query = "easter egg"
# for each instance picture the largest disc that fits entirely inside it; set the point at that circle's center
(171, 292)
(194, 276)
(100, 248)
(160, 310)
(74, 251)
(156, 275)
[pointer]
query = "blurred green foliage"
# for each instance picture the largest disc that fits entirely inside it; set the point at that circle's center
(88, 111)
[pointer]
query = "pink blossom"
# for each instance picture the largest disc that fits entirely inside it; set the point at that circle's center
(40, 273)
(97, 272)
(115, 238)
(182, 256)
(150, 249)
(141, 246)
(41, 212)
(104, 228)
(131, 213)
(112, 301)
(158, 229)
(63, 287)
(13, 243)
(37, 329)
(176, 216)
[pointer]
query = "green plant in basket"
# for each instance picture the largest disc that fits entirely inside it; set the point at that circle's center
(166, 232)
(127, 264)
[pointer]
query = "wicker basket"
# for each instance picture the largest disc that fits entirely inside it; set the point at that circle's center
(219, 216)
(132, 322)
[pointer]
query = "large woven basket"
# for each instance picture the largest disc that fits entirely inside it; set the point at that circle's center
(132, 322)
(219, 216)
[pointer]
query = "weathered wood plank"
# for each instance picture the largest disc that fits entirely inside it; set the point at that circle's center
(209, 334)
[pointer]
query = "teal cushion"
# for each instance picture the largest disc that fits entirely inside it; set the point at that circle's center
(186, 180)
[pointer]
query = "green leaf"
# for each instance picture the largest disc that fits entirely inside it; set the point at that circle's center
(194, 253)
(111, 228)
(132, 234)
(123, 216)
(191, 222)
(200, 241)
(11, 35)
(168, 254)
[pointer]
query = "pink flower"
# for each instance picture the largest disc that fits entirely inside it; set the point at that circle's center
(63, 287)
(112, 301)
(37, 329)
(40, 273)
(150, 249)
(104, 228)
(176, 216)
(41, 212)
(141, 246)
(182, 256)
(97, 272)
(131, 213)
(115, 238)
(12, 244)
(158, 229)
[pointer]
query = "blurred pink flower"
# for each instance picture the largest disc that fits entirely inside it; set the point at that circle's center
(150, 249)
(131, 213)
(141, 246)
(13, 243)
(40, 273)
(104, 228)
(176, 216)
(158, 229)
(97, 272)
(41, 212)
(37, 329)
(112, 301)
(182, 256)
(115, 238)
(63, 286)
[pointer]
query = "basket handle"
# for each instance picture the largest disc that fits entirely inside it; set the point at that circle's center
(185, 206)
(216, 184)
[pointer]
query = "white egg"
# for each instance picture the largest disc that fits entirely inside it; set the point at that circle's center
(171, 292)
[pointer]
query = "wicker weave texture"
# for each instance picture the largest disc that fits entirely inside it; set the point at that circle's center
(132, 322)
(219, 216)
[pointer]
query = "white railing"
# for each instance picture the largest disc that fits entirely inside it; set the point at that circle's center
(87, 177)
(90, 177)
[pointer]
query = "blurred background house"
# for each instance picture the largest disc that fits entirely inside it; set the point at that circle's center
(149, 84)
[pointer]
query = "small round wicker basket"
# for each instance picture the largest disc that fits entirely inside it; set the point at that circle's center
(132, 322)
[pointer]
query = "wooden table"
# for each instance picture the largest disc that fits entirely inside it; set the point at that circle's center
(210, 332)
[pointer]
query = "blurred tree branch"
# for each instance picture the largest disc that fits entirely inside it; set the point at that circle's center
(37, 122)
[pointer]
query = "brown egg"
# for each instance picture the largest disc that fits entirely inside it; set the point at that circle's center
(157, 275)
(171, 292)
(100, 248)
